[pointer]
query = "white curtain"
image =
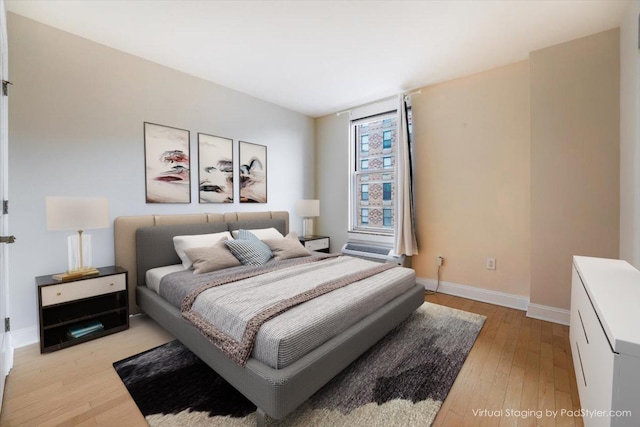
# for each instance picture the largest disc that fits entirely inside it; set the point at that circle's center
(406, 243)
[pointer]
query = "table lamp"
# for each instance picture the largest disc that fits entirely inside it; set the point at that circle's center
(77, 213)
(308, 209)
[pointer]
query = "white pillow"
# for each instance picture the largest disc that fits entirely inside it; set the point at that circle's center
(180, 243)
(262, 233)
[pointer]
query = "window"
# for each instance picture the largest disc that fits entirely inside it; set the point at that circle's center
(386, 191)
(373, 176)
(364, 216)
(386, 139)
(386, 217)
(364, 192)
(364, 143)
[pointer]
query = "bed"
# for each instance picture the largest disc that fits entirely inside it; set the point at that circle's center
(145, 242)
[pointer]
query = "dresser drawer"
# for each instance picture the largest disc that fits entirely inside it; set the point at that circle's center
(593, 357)
(317, 245)
(71, 291)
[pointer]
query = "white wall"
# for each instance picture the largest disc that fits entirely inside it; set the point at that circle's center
(332, 177)
(76, 129)
(630, 136)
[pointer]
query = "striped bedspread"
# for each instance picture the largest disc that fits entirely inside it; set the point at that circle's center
(280, 313)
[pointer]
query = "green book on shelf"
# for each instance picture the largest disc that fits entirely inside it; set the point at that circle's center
(78, 331)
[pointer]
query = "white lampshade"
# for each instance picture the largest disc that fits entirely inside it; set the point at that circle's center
(308, 208)
(77, 213)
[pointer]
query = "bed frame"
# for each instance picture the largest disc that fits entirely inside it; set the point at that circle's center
(275, 392)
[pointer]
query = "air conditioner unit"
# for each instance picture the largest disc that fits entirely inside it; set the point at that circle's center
(372, 252)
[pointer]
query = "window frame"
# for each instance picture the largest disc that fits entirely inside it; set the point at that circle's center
(355, 231)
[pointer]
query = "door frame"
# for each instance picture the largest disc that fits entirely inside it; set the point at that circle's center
(6, 348)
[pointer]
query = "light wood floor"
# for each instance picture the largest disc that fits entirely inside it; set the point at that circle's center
(516, 364)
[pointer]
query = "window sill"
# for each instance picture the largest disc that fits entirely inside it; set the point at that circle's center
(381, 239)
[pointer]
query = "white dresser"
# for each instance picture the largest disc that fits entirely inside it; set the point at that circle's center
(605, 340)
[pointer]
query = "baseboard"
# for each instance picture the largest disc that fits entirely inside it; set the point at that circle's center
(25, 336)
(477, 294)
(550, 314)
(535, 311)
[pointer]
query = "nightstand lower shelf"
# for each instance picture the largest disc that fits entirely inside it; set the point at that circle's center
(57, 339)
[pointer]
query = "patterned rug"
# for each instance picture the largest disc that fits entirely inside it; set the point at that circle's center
(402, 380)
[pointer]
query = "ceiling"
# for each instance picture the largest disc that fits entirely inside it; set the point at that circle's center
(319, 57)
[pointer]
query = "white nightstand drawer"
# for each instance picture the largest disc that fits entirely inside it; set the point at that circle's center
(71, 291)
(316, 245)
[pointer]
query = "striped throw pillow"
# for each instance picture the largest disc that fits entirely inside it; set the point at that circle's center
(249, 249)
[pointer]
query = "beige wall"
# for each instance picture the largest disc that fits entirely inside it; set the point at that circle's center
(630, 136)
(472, 179)
(574, 160)
(520, 163)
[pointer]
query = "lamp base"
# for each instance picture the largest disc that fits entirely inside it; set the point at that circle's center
(307, 227)
(76, 274)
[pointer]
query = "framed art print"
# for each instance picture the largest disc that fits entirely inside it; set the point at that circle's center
(253, 173)
(215, 169)
(167, 167)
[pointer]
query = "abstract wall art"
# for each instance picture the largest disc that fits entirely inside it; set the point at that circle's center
(253, 173)
(215, 169)
(167, 167)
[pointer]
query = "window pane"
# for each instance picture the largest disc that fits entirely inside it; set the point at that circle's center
(386, 217)
(364, 143)
(364, 164)
(386, 162)
(386, 191)
(364, 216)
(364, 190)
(386, 139)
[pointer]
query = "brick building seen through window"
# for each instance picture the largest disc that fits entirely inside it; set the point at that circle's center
(375, 175)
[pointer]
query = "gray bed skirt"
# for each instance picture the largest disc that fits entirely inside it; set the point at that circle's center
(277, 392)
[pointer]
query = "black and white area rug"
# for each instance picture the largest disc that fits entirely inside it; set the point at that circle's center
(400, 381)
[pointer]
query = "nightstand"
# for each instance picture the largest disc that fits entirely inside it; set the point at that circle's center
(315, 243)
(80, 310)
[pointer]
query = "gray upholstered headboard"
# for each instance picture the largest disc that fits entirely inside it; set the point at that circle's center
(155, 234)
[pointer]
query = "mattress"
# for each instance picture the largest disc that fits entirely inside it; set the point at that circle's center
(289, 336)
(154, 276)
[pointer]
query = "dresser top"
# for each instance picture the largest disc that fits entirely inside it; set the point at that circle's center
(102, 271)
(613, 286)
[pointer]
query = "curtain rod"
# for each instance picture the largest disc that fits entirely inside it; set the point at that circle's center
(415, 92)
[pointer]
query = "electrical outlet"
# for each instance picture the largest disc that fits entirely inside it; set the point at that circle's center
(439, 260)
(491, 263)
